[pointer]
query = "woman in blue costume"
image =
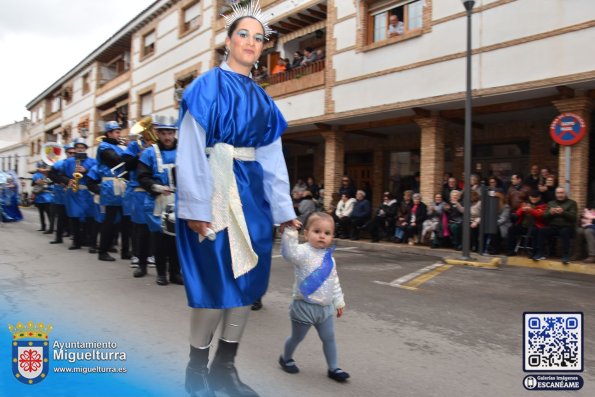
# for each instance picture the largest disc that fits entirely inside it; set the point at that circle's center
(232, 186)
(10, 198)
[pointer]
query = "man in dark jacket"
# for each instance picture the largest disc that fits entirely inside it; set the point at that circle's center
(360, 214)
(560, 217)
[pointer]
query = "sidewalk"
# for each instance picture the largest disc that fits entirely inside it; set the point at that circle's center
(441, 253)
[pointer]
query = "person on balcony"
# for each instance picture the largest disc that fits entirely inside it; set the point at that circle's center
(279, 67)
(309, 56)
(298, 57)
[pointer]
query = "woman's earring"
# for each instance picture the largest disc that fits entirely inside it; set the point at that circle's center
(256, 65)
(226, 55)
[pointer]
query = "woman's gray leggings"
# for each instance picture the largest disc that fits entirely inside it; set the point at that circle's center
(204, 322)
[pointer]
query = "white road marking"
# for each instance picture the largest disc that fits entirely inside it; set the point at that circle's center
(404, 279)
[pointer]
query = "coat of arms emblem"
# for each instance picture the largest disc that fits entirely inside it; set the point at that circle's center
(30, 351)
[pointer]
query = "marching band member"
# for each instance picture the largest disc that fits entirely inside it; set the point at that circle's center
(156, 176)
(10, 198)
(78, 199)
(134, 200)
(43, 194)
(130, 157)
(59, 196)
(109, 167)
(233, 188)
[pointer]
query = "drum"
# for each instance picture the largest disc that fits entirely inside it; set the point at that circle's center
(168, 220)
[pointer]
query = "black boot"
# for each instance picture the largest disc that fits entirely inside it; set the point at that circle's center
(197, 375)
(141, 271)
(224, 375)
(104, 256)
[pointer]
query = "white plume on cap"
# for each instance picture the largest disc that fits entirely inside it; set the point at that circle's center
(250, 10)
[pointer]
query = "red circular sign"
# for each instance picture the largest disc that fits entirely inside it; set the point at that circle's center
(568, 129)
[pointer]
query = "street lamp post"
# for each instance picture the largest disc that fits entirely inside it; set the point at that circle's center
(467, 159)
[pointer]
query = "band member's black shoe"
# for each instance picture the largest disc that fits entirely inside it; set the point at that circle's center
(176, 279)
(197, 375)
(113, 250)
(48, 232)
(224, 375)
(104, 256)
(93, 250)
(161, 280)
(74, 247)
(257, 305)
(140, 272)
(125, 255)
(56, 241)
(41, 230)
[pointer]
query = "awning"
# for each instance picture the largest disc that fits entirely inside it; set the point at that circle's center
(302, 32)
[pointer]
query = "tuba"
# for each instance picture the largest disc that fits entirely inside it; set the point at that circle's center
(144, 128)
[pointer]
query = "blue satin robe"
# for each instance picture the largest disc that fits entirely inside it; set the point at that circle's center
(224, 106)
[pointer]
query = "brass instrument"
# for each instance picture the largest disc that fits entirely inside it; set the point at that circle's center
(122, 141)
(76, 178)
(51, 152)
(144, 128)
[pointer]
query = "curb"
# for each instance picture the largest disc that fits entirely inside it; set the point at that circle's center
(485, 262)
(492, 263)
(557, 266)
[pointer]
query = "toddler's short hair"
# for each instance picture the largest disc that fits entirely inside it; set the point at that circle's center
(316, 216)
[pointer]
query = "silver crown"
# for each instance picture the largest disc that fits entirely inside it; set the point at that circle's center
(250, 10)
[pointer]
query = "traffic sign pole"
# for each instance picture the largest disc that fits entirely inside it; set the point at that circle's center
(567, 170)
(567, 129)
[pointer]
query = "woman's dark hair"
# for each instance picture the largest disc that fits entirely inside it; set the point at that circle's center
(234, 25)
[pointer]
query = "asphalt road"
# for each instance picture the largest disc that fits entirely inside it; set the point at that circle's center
(457, 334)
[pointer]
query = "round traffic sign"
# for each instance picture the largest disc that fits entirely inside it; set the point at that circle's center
(568, 129)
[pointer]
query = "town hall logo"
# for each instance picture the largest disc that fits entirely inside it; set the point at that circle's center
(30, 351)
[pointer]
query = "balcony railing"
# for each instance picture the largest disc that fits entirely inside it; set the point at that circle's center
(294, 73)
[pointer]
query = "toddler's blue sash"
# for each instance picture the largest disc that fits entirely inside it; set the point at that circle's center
(318, 276)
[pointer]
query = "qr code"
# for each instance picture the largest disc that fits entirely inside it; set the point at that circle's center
(553, 342)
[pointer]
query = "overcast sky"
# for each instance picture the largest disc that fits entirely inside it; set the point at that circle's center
(41, 40)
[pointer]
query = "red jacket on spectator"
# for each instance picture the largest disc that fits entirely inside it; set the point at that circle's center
(536, 212)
